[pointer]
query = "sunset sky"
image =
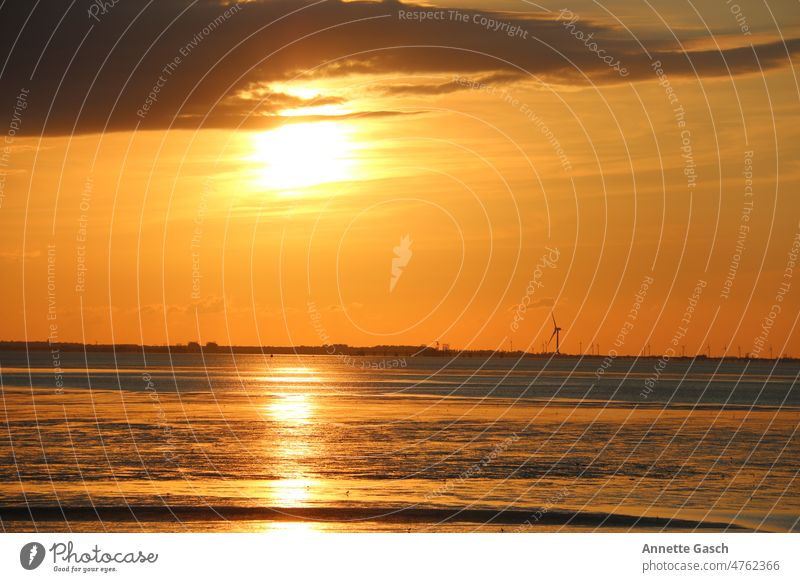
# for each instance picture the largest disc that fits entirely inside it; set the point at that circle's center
(262, 195)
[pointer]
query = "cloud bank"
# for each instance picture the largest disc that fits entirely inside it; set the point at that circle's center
(174, 64)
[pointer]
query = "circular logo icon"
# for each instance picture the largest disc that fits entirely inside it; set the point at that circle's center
(31, 555)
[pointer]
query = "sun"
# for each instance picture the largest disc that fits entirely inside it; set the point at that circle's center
(302, 155)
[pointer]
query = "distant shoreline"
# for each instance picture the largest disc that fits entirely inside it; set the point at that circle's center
(382, 351)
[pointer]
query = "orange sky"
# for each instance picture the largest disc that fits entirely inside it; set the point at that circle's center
(263, 204)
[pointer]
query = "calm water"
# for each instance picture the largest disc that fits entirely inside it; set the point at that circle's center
(345, 445)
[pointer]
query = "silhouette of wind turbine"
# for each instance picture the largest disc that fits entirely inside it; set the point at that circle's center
(556, 331)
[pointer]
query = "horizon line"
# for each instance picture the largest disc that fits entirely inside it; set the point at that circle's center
(420, 350)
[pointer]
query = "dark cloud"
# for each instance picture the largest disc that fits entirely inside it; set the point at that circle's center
(457, 84)
(94, 74)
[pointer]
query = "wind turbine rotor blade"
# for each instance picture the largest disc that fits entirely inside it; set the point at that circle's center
(553, 315)
(551, 337)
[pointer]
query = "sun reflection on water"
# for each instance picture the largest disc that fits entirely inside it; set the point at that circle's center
(291, 408)
(294, 445)
(290, 527)
(290, 492)
(293, 375)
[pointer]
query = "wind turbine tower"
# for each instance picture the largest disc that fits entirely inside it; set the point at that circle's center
(556, 331)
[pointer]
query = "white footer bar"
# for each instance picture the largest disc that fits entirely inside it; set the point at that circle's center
(400, 557)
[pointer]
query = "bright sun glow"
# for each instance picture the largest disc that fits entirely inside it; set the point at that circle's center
(302, 155)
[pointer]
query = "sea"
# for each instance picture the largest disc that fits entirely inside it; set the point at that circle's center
(187, 442)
